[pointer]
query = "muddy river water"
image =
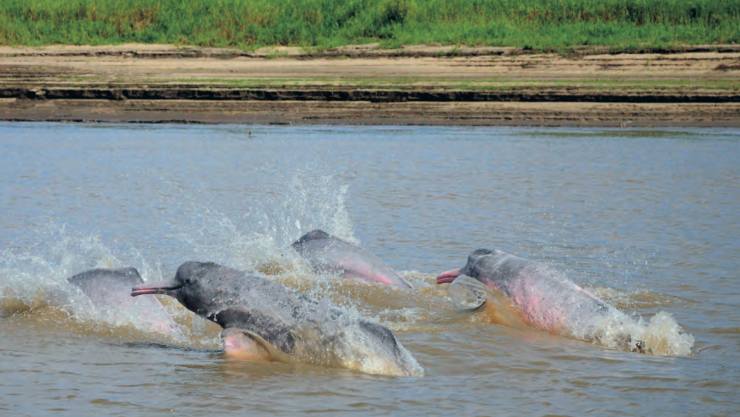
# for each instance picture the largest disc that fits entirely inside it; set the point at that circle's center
(649, 220)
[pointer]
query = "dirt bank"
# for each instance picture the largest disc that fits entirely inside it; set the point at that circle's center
(359, 112)
(487, 86)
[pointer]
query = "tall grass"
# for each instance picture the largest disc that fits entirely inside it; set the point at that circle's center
(537, 24)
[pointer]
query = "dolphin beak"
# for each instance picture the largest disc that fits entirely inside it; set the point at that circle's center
(448, 276)
(155, 288)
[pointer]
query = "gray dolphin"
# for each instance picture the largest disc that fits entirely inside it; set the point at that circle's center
(108, 290)
(327, 253)
(543, 297)
(264, 320)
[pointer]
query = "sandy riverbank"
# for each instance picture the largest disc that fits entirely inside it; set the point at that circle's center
(486, 86)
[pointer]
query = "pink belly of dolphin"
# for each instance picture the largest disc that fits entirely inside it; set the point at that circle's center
(354, 268)
(368, 275)
(537, 305)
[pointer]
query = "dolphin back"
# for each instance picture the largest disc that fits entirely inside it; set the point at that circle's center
(109, 291)
(313, 235)
(329, 254)
(101, 285)
(128, 276)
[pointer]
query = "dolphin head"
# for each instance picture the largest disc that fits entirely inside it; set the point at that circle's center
(472, 268)
(214, 292)
(191, 287)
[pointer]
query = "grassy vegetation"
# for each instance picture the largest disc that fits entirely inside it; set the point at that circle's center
(536, 24)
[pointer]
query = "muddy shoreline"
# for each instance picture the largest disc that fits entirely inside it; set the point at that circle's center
(487, 86)
(367, 113)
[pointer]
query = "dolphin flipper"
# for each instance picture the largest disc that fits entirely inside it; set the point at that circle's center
(242, 344)
(467, 294)
(270, 333)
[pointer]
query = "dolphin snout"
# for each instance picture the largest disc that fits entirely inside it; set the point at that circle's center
(155, 288)
(448, 276)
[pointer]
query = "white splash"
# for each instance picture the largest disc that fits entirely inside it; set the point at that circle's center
(35, 279)
(269, 224)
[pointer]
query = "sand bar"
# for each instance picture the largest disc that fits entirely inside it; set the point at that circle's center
(367, 85)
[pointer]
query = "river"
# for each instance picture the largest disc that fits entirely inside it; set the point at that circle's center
(648, 219)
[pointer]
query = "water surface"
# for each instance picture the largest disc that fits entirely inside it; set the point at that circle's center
(648, 219)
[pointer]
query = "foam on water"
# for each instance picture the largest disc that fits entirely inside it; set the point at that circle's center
(34, 282)
(661, 334)
(268, 225)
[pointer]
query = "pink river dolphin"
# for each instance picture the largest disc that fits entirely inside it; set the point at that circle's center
(108, 290)
(538, 295)
(263, 320)
(329, 254)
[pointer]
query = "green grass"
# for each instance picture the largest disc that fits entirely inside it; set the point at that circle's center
(248, 24)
